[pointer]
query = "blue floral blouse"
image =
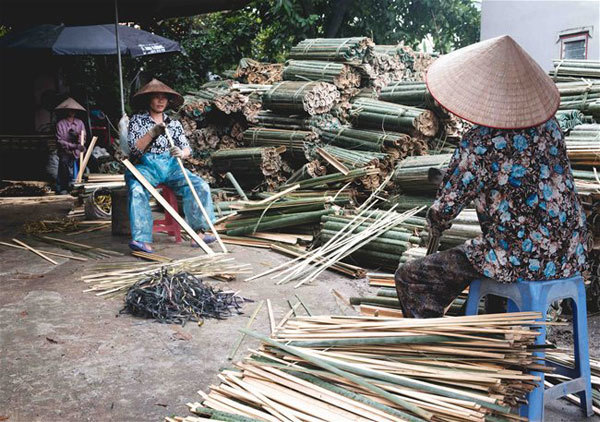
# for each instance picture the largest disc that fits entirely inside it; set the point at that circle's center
(533, 225)
(141, 123)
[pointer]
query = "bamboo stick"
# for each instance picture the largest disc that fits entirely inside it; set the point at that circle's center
(35, 251)
(85, 160)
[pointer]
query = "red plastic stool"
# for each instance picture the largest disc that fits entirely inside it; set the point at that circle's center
(168, 224)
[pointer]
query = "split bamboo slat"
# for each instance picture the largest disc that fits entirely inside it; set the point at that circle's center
(381, 369)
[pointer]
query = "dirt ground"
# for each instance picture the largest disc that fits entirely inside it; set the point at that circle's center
(68, 355)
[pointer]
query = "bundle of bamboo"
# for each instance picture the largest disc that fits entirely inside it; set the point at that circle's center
(350, 50)
(333, 368)
(255, 72)
(310, 97)
(576, 69)
(344, 77)
(224, 97)
(583, 145)
(293, 140)
(261, 165)
(389, 116)
(397, 145)
(412, 173)
(415, 64)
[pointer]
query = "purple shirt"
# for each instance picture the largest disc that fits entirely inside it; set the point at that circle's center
(68, 135)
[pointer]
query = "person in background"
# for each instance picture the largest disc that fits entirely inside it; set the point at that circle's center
(513, 167)
(69, 130)
(157, 161)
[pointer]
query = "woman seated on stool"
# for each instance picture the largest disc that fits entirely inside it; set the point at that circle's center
(157, 162)
(513, 166)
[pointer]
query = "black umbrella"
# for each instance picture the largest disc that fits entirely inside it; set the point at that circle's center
(88, 40)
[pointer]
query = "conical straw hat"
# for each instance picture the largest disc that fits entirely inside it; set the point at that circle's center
(494, 83)
(140, 99)
(70, 104)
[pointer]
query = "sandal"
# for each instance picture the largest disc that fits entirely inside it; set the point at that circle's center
(136, 246)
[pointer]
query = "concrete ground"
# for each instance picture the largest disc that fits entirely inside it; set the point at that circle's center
(68, 355)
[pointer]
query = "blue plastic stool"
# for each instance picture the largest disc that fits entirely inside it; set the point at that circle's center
(538, 296)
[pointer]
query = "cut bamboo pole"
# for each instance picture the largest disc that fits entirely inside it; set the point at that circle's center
(243, 335)
(35, 251)
(84, 163)
(167, 207)
(195, 194)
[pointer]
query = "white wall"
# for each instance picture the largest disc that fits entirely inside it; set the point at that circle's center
(536, 24)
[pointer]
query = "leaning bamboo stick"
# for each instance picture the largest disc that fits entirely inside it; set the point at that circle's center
(35, 251)
(167, 206)
(242, 335)
(195, 194)
(84, 163)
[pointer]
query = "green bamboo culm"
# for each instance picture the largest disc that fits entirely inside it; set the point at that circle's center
(367, 113)
(350, 50)
(344, 77)
(293, 140)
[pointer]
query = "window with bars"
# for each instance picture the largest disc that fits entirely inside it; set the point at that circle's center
(574, 46)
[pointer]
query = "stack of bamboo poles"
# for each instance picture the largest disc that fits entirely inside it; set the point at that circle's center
(343, 76)
(334, 368)
(310, 170)
(116, 277)
(583, 145)
(414, 63)
(364, 175)
(394, 117)
(350, 159)
(255, 72)
(411, 174)
(226, 99)
(576, 69)
(100, 180)
(350, 50)
(408, 93)
(397, 145)
(292, 140)
(299, 97)
(261, 165)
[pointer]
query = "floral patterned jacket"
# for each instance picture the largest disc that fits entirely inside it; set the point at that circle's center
(533, 225)
(141, 123)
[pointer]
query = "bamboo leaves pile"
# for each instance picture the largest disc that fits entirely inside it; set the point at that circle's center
(310, 97)
(341, 369)
(389, 116)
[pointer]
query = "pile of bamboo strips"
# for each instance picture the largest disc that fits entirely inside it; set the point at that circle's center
(364, 175)
(394, 117)
(335, 368)
(255, 72)
(349, 50)
(116, 277)
(260, 165)
(346, 241)
(310, 97)
(344, 77)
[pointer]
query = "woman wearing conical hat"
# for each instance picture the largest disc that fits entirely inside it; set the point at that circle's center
(157, 162)
(512, 166)
(69, 130)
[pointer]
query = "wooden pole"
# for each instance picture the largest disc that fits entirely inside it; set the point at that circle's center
(168, 208)
(88, 154)
(195, 194)
(35, 251)
(82, 141)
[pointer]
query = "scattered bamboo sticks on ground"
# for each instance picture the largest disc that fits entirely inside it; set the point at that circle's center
(334, 368)
(114, 278)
